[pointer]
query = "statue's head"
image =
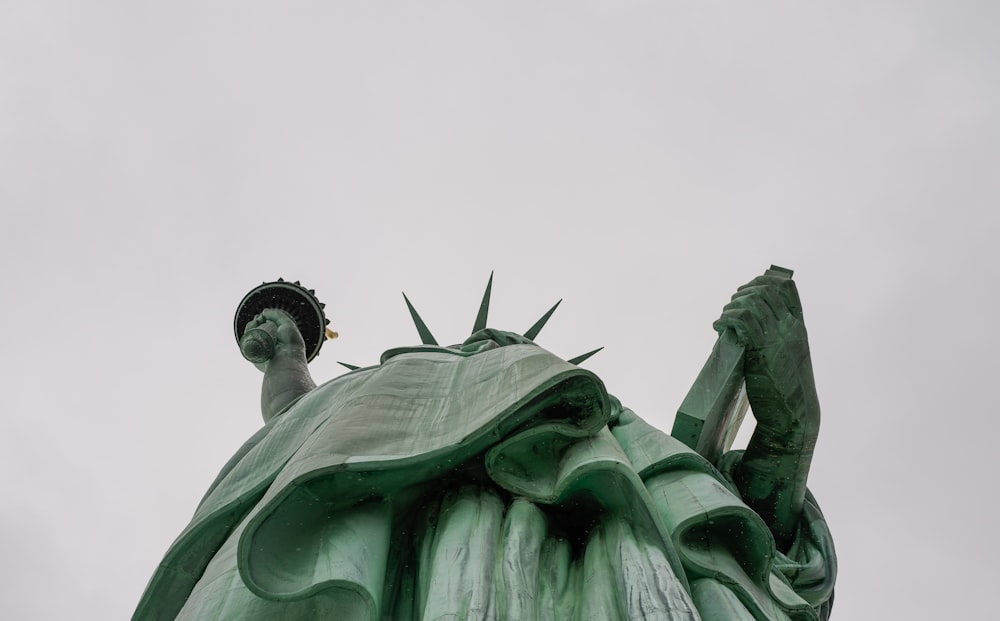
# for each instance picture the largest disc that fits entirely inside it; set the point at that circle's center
(490, 338)
(482, 338)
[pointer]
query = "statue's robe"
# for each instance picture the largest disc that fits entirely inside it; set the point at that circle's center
(490, 483)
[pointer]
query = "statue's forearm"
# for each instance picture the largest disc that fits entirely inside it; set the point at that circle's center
(772, 475)
(285, 380)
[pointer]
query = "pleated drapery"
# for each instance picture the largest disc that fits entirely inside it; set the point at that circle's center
(507, 484)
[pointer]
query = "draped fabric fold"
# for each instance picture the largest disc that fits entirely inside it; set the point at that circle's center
(727, 550)
(487, 484)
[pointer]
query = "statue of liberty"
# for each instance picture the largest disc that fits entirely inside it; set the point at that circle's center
(493, 479)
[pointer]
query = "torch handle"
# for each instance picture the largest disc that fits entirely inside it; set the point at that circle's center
(257, 343)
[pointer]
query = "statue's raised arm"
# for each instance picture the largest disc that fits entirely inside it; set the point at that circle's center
(286, 372)
(280, 327)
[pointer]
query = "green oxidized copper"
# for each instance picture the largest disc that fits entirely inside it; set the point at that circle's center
(495, 480)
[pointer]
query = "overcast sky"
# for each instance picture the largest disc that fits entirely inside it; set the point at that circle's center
(640, 160)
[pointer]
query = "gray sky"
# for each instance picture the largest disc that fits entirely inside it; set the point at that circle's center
(640, 160)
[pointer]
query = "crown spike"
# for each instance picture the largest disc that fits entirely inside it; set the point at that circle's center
(425, 335)
(349, 366)
(484, 308)
(583, 357)
(535, 329)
